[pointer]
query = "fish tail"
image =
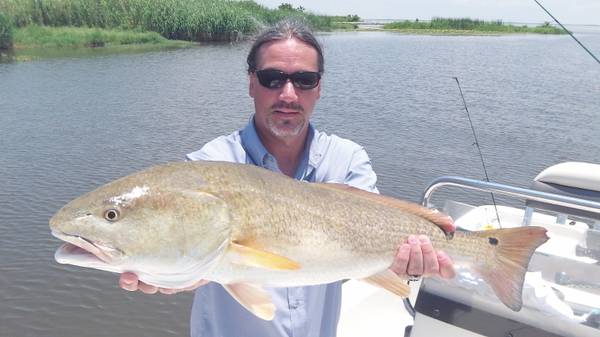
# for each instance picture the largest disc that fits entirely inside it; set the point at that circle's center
(505, 267)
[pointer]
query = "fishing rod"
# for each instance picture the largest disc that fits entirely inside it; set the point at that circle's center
(407, 305)
(568, 32)
(487, 178)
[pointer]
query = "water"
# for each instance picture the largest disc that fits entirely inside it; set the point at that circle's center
(68, 125)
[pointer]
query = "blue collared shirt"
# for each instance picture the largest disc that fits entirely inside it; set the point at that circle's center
(300, 311)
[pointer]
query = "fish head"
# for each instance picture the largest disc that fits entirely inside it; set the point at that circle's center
(152, 222)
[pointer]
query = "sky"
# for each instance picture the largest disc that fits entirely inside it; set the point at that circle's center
(526, 11)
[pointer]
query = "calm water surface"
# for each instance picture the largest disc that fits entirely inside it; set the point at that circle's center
(68, 125)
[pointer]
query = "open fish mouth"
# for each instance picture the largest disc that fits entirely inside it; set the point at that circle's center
(84, 251)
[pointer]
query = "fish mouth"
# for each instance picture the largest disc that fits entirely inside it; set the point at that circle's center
(82, 250)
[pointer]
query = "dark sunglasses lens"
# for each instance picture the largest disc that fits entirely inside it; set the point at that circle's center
(305, 79)
(271, 78)
(274, 79)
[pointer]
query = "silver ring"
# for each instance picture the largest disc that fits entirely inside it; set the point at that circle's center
(414, 278)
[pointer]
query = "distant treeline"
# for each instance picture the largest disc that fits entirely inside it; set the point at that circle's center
(441, 24)
(192, 20)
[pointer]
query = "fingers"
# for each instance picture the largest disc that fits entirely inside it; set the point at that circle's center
(415, 264)
(400, 263)
(167, 291)
(446, 265)
(417, 257)
(147, 289)
(430, 258)
(447, 224)
(130, 282)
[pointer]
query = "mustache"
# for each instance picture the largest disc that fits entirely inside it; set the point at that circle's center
(285, 105)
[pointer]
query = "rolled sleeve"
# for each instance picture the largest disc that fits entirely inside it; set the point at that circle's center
(360, 172)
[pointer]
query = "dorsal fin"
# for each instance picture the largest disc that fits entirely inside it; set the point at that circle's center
(441, 220)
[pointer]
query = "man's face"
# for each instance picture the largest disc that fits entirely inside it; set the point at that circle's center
(284, 112)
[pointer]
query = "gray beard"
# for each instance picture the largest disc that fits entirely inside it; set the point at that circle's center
(285, 132)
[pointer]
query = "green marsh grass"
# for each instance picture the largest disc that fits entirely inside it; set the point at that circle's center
(449, 25)
(192, 20)
(42, 36)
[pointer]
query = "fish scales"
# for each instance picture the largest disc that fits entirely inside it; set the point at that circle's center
(278, 215)
(275, 207)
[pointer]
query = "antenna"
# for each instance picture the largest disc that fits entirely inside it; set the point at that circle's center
(487, 178)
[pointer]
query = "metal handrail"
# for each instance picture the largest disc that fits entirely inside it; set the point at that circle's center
(549, 198)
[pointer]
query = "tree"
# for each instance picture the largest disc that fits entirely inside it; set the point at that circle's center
(286, 7)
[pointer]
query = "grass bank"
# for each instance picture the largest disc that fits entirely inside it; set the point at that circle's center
(39, 42)
(33, 36)
(191, 20)
(46, 24)
(466, 25)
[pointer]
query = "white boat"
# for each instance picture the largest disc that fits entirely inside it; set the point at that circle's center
(561, 295)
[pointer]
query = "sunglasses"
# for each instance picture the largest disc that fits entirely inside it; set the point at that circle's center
(275, 79)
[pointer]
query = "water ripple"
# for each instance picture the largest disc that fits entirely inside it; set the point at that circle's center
(394, 94)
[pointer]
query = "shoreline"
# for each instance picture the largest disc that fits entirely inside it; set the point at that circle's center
(38, 42)
(438, 32)
(91, 42)
(22, 53)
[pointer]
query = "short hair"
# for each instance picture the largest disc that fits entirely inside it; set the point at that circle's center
(285, 29)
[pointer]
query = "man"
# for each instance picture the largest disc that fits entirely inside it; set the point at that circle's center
(285, 65)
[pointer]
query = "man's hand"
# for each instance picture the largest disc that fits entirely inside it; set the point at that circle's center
(417, 257)
(130, 282)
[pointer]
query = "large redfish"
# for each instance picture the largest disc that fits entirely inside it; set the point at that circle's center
(246, 227)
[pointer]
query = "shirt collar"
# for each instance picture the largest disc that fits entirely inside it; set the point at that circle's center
(311, 157)
(252, 144)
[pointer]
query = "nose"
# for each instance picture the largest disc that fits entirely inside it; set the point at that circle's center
(288, 92)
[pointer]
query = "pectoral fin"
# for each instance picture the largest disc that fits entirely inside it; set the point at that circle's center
(254, 257)
(253, 298)
(391, 282)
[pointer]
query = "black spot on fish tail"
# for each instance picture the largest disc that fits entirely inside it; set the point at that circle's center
(493, 241)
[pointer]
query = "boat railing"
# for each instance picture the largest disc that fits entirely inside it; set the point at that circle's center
(517, 192)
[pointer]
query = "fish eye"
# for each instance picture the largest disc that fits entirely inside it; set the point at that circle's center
(111, 215)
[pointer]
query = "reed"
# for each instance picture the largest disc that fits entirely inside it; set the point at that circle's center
(466, 24)
(192, 20)
(6, 32)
